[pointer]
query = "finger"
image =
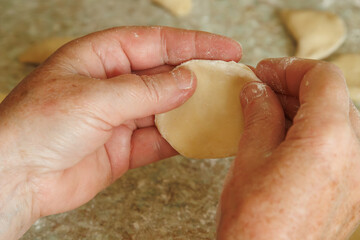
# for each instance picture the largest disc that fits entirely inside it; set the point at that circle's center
(140, 123)
(284, 75)
(118, 51)
(128, 148)
(145, 122)
(320, 87)
(264, 122)
(289, 104)
(252, 68)
(148, 146)
(130, 97)
(288, 124)
(155, 70)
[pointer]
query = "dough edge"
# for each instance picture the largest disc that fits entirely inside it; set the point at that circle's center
(229, 68)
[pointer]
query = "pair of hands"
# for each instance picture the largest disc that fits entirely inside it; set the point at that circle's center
(85, 117)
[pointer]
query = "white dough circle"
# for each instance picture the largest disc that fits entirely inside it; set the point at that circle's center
(210, 123)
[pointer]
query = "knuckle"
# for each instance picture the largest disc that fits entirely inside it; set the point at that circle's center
(267, 115)
(328, 136)
(333, 133)
(152, 88)
(254, 120)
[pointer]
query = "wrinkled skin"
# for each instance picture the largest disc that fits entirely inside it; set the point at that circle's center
(83, 118)
(296, 175)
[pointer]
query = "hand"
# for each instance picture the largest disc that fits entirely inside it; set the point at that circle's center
(82, 119)
(302, 183)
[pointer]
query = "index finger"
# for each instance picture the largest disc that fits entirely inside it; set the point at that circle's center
(117, 51)
(320, 88)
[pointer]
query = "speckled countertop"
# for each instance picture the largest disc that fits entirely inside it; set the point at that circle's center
(175, 198)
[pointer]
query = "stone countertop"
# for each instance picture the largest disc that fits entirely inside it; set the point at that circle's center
(175, 198)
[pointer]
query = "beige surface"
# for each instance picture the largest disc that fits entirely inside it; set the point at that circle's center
(174, 199)
(40, 51)
(210, 123)
(318, 33)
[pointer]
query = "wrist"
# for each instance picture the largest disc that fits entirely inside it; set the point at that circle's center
(16, 205)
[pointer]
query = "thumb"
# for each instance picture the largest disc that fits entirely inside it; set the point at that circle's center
(264, 121)
(131, 96)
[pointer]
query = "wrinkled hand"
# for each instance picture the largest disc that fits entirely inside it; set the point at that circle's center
(83, 118)
(302, 183)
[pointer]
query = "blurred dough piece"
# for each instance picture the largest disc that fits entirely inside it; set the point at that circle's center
(318, 34)
(210, 123)
(40, 51)
(350, 65)
(2, 96)
(177, 7)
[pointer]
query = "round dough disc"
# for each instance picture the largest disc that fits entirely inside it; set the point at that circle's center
(210, 123)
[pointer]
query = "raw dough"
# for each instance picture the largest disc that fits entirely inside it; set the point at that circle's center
(210, 123)
(177, 7)
(350, 65)
(318, 34)
(2, 96)
(40, 51)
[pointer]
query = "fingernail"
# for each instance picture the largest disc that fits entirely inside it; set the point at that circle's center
(184, 78)
(252, 91)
